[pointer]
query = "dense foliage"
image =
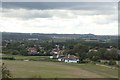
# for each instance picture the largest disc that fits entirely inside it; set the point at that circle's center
(77, 47)
(5, 72)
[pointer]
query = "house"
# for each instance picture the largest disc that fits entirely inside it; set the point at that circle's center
(61, 58)
(32, 50)
(94, 50)
(108, 49)
(69, 59)
(91, 40)
(33, 39)
(56, 53)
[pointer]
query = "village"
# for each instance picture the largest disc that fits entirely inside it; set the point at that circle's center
(39, 57)
(55, 56)
(59, 54)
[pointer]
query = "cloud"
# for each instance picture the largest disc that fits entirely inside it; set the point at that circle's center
(105, 19)
(68, 18)
(81, 24)
(27, 10)
(60, 5)
(29, 14)
(23, 13)
(96, 7)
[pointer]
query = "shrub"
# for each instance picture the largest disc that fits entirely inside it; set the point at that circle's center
(8, 58)
(5, 72)
(111, 62)
(105, 62)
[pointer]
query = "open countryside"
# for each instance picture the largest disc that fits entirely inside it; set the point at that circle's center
(51, 57)
(47, 69)
(60, 40)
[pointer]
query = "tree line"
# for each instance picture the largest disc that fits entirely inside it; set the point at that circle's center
(79, 48)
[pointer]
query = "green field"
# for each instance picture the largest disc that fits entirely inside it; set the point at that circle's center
(33, 58)
(44, 69)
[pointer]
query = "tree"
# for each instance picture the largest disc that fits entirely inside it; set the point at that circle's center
(81, 51)
(23, 52)
(5, 72)
(15, 52)
(69, 51)
(102, 53)
(108, 55)
(113, 54)
(94, 56)
(112, 62)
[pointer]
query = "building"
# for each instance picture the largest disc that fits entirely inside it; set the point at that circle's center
(32, 50)
(33, 39)
(93, 50)
(56, 53)
(91, 40)
(69, 59)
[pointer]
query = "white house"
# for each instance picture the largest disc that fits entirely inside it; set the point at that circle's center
(59, 59)
(69, 59)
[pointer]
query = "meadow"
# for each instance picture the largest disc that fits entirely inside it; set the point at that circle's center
(33, 58)
(48, 69)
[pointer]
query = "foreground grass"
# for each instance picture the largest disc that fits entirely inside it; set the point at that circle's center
(25, 69)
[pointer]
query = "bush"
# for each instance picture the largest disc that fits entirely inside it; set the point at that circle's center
(8, 58)
(118, 66)
(105, 62)
(111, 62)
(5, 72)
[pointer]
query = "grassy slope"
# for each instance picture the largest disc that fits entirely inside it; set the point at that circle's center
(57, 69)
(101, 70)
(22, 57)
(18, 57)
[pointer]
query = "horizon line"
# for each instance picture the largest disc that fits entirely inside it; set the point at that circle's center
(61, 33)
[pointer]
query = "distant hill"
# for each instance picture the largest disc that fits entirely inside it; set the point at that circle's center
(41, 36)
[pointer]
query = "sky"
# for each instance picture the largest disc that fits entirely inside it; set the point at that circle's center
(100, 18)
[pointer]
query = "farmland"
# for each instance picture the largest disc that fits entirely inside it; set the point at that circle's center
(36, 56)
(45, 69)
